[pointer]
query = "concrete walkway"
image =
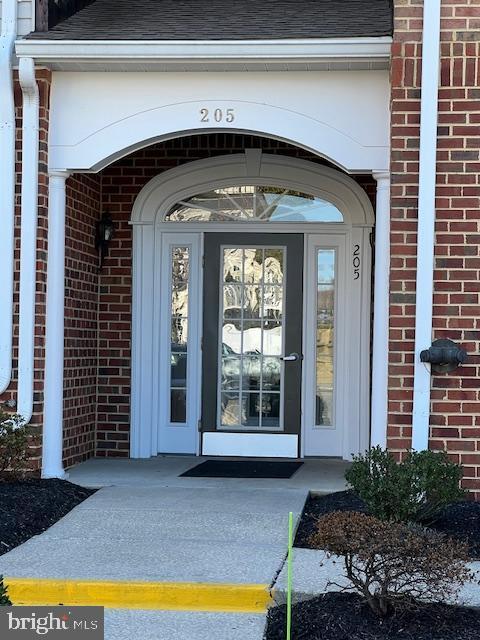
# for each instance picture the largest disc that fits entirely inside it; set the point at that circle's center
(169, 534)
(148, 524)
(127, 624)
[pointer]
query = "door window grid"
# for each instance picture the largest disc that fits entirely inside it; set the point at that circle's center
(179, 325)
(324, 352)
(251, 341)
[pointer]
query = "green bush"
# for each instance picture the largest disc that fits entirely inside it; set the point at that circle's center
(15, 438)
(4, 599)
(393, 566)
(414, 490)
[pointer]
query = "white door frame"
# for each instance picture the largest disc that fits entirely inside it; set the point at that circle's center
(253, 167)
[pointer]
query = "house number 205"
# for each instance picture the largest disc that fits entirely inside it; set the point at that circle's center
(356, 261)
(217, 115)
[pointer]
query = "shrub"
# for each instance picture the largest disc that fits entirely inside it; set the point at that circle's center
(414, 490)
(14, 444)
(4, 599)
(392, 565)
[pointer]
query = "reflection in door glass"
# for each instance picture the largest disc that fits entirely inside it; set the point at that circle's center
(325, 337)
(252, 299)
(179, 334)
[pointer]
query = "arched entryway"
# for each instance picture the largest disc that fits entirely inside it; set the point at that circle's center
(251, 311)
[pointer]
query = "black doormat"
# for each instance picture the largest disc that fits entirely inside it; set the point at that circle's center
(242, 469)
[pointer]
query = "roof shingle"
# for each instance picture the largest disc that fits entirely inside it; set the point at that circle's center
(224, 20)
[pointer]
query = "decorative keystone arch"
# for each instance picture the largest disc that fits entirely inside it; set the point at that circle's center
(256, 168)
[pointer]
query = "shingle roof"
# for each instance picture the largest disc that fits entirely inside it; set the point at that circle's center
(224, 20)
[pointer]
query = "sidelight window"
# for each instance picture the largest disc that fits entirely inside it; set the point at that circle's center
(324, 364)
(179, 326)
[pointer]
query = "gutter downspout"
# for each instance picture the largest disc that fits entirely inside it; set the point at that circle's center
(426, 220)
(7, 187)
(28, 236)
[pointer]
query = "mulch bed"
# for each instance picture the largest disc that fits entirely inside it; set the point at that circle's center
(344, 616)
(460, 520)
(29, 507)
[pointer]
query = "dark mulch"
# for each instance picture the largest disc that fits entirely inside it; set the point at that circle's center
(460, 520)
(344, 616)
(28, 507)
(317, 506)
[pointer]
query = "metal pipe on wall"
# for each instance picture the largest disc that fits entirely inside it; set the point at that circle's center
(7, 187)
(426, 220)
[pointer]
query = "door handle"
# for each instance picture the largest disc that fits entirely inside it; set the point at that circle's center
(293, 357)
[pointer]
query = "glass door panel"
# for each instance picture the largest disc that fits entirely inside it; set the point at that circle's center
(252, 336)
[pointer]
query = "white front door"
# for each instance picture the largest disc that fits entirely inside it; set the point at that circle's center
(328, 387)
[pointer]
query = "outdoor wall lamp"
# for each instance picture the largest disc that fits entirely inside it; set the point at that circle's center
(105, 229)
(444, 356)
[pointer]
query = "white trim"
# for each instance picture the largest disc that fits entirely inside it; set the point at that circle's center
(166, 189)
(52, 451)
(255, 445)
(7, 187)
(426, 220)
(365, 348)
(148, 229)
(379, 411)
(144, 261)
(206, 51)
(171, 437)
(28, 236)
(328, 440)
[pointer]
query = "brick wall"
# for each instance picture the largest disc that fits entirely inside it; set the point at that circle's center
(83, 203)
(455, 408)
(44, 82)
(121, 183)
(81, 317)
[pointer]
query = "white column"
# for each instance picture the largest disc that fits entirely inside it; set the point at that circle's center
(52, 464)
(378, 432)
(426, 220)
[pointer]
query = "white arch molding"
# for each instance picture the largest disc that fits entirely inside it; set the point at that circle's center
(104, 145)
(251, 167)
(256, 168)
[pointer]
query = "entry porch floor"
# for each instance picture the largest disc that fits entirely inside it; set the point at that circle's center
(323, 475)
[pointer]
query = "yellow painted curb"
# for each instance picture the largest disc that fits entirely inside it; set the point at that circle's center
(186, 596)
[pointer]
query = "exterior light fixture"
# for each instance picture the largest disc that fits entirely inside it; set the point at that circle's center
(105, 231)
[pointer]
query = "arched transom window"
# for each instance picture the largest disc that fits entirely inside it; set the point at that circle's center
(245, 203)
